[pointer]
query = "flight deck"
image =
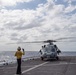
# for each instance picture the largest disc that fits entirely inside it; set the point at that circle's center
(66, 65)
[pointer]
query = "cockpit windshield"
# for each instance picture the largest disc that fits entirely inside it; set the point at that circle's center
(50, 49)
(53, 50)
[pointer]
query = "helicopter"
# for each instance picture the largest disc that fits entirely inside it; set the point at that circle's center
(50, 51)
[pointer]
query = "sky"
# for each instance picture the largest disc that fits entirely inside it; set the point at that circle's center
(35, 20)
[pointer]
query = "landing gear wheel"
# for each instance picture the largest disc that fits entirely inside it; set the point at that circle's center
(42, 58)
(57, 58)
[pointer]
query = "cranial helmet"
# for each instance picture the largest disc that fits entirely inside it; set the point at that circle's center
(19, 48)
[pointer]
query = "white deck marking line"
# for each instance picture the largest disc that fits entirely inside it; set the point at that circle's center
(72, 63)
(66, 63)
(34, 67)
(61, 63)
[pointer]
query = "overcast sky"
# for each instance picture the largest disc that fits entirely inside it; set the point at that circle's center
(33, 20)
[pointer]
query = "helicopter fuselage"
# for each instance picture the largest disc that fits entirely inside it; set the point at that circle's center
(49, 52)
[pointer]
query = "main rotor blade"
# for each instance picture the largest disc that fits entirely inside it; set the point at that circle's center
(33, 42)
(26, 42)
(65, 38)
(67, 41)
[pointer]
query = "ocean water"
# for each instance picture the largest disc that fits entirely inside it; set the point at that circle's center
(8, 56)
(68, 53)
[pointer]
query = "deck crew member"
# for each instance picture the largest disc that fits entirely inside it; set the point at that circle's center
(19, 54)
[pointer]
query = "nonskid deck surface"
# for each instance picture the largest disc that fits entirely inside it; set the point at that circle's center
(65, 66)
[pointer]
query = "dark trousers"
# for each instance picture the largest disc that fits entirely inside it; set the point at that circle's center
(18, 66)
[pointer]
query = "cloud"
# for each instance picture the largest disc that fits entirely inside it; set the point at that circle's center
(4, 3)
(70, 8)
(20, 19)
(48, 21)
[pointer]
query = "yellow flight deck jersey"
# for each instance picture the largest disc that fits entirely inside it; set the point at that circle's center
(19, 54)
